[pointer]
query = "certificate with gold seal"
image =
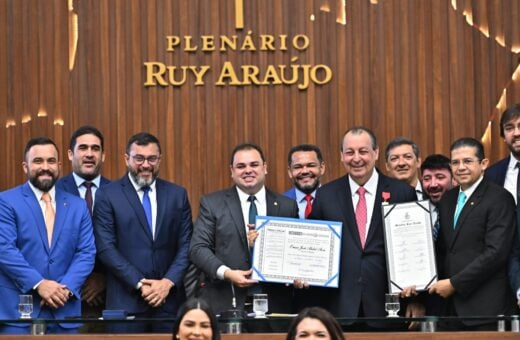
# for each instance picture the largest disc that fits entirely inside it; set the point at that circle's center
(291, 248)
(410, 255)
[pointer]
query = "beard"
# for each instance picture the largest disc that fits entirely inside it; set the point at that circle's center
(143, 182)
(308, 188)
(43, 185)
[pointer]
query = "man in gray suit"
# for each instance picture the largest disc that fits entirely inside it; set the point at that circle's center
(224, 234)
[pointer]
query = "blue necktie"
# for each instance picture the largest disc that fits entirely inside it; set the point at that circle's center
(460, 204)
(436, 225)
(147, 205)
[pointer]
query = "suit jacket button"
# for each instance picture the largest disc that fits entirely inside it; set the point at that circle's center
(51, 261)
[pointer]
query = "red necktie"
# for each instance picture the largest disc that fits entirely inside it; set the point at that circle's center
(88, 195)
(361, 215)
(308, 207)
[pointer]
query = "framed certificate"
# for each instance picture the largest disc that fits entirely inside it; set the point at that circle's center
(290, 248)
(409, 245)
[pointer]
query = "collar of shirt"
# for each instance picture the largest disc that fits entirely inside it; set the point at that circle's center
(512, 163)
(80, 180)
(38, 193)
(138, 188)
(300, 195)
(469, 191)
(370, 186)
(259, 196)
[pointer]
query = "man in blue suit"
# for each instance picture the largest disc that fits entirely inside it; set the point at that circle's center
(305, 167)
(143, 228)
(506, 173)
(46, 243)
(86, 154)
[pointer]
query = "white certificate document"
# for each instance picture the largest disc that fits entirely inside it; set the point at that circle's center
(409, 245)
(291, 248)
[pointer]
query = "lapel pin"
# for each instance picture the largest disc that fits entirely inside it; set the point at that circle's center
(275, 203)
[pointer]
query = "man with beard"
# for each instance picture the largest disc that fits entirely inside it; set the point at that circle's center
(86, 154)
(224, 234)
(46, 244)
(143, 229)
(305, 168)
(403, 162)
(506, 173)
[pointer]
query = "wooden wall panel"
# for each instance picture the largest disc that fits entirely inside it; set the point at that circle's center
(431, 70)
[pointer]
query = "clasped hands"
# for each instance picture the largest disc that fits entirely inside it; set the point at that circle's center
(155, 292)
(53, 294)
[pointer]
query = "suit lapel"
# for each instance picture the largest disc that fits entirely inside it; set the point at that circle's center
(377, 218)
(235, 210)
(132, 197)
(273, 207)
(471, 203)
(36, 211)
(161, 205)
(70, 184)
(62, 210)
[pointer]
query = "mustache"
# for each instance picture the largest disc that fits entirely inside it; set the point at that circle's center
(45, 172)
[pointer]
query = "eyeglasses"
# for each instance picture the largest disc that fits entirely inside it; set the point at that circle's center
(139, 159)
(466, 161)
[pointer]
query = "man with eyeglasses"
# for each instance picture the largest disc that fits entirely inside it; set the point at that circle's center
(305, 168)
(477, 220)
(506, 173)
(143, 228)
(403, 162)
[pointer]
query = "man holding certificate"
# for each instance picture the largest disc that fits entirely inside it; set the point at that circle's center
(477, 231)
(356, 199)
(224, 234)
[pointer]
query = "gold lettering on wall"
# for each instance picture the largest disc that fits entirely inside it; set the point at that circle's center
(239, 14)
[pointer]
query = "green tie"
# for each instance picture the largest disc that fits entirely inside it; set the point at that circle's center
(460, 204)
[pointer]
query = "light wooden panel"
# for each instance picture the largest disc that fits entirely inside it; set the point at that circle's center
(415, 68)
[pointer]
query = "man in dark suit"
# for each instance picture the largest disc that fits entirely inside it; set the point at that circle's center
(355, 199)
(46, 244)
(86, 154)
(224, 233)
(143, 227)
(477, 229)
(305, 167)
(506, 173)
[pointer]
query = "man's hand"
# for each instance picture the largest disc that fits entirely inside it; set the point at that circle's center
(252, 234)
(408, 292)
(414, 310)
(53, 293)
(92, 290)
(300, 284)
(155, 292)
(240, 278)
(443, 287)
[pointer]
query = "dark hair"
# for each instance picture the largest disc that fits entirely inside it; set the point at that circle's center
(510, 113)
(357, 130)
(38, 141)
(86, 130)
(394, 143)
(307, 148)
(142, 139)
(469, 142)
(320, 314)
(246, 146)
(436, 162)
(196, 303)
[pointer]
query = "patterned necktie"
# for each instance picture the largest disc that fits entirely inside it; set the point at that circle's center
(88, 195)
(49, 216)
(436, 225)
(147, 205)
(460, 204)
(308, 207)
(361, 215)
(252, 209)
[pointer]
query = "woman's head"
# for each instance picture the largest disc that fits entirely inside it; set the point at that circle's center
(315, 323)
(195, 320)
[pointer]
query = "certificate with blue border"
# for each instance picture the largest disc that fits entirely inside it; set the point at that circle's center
(291, 248)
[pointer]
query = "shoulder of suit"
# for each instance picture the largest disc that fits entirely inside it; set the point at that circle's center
(161, 183)
(500, 165)
(332, 185)
(279, 197)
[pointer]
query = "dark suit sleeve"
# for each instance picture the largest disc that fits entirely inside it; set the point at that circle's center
(202, 247)
(514, 264)
(181, 262)
(500, 222)
(106, 242)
